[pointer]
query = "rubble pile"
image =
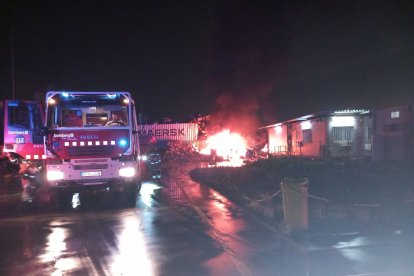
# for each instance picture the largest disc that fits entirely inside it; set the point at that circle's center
(182, 151)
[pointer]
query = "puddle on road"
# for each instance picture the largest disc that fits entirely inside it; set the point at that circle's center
(149, 193)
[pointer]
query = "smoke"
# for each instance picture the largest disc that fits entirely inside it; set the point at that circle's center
(244, 54)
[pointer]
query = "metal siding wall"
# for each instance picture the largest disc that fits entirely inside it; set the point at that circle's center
(313, 149)
(378, 137)
(357, 148)
(278, 141)
(271, 131)
(367, 140)
(296, 134)
(393, 143)
(318, 138)
(177, 132)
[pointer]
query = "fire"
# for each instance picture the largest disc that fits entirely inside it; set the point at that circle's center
(230, 146)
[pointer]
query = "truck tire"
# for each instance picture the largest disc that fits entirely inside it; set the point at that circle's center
(131, 193)
(64, 198)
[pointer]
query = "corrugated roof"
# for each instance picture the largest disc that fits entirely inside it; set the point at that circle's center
(323, 114)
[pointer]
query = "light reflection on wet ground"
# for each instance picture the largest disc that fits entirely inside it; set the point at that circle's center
(180, 227)
(385, 254)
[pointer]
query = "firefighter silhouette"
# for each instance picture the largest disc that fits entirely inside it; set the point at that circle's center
(116, 120)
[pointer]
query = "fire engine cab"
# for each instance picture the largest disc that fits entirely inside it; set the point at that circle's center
(92, 141)
(22, 136)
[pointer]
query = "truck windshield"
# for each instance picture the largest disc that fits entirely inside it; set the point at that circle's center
(88, 111)
(19, 116)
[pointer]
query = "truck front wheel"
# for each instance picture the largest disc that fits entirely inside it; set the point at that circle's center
(131, 193)
(64, 198)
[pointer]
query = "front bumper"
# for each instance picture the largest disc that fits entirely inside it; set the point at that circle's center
(91, 172)
(108, 185)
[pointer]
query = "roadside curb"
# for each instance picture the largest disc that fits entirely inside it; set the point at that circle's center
(295, 244)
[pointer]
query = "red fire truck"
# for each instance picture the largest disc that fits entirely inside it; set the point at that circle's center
(22, 136)
(92, 142)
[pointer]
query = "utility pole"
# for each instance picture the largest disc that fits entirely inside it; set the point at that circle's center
(12, 62)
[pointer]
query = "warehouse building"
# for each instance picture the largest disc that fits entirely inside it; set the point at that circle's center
(346, 133)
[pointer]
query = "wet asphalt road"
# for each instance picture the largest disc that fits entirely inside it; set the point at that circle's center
(180, 227)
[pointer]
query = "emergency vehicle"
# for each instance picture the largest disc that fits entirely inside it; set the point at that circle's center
(92, 142)
(22, 136)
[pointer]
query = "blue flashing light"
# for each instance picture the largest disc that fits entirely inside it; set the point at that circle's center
(15, 103)
(65, 94)
(111, 96)
(122, 142)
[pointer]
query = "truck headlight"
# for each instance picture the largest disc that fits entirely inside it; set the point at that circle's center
(143, 158)
(127, 172)
(54, 175)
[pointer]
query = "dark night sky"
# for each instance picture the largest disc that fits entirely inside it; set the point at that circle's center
(178, 57)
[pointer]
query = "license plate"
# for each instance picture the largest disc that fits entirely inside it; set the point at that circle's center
(98, 173)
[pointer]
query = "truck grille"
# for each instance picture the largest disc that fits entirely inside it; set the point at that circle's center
(90, 151)
(91, 167)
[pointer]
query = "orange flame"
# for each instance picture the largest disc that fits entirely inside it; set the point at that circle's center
(230, 146)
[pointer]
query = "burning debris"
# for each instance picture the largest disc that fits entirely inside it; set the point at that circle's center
(230, 147)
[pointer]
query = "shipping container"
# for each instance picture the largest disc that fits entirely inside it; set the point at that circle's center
(169, 132)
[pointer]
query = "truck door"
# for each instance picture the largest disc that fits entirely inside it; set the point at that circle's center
(23, 122)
